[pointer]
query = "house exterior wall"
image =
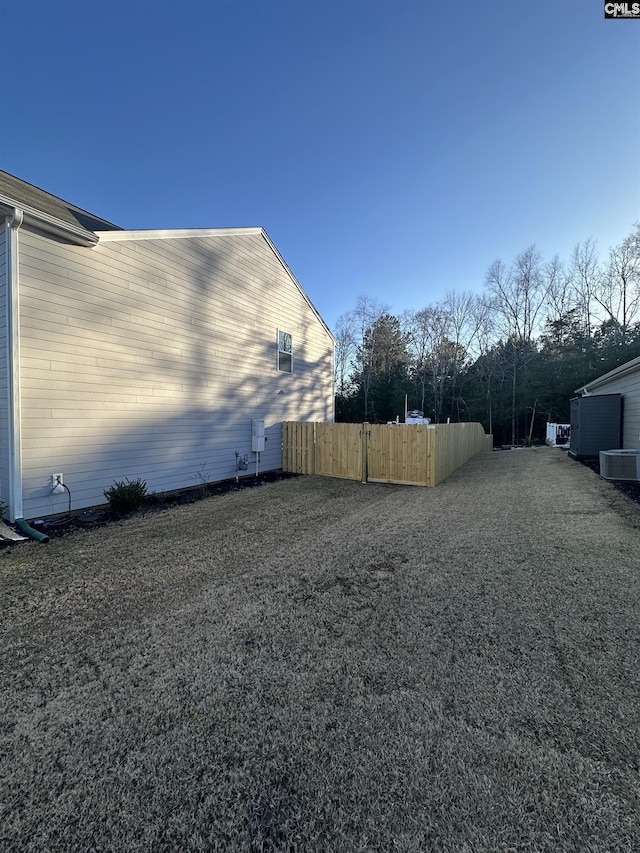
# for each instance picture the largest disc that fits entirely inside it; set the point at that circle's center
(150, 357)
(629, 386)
(4, 383)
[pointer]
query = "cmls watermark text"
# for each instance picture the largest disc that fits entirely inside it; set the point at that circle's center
(622, 10)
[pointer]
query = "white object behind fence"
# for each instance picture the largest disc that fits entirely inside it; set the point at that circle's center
(416, 417)
(558, 435)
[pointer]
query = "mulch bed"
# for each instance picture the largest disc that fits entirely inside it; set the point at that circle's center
(629, 488)
(63, 524)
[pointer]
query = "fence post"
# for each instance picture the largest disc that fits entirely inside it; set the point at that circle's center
(365, 451)
(315, 449)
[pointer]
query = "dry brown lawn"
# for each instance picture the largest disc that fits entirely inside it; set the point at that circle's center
(319, 665)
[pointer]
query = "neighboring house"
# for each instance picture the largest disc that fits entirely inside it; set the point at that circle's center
(144, 353)
(624, 380)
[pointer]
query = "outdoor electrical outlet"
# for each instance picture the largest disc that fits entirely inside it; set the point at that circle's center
(57, 478)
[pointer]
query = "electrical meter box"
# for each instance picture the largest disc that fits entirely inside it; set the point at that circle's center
(257, 435)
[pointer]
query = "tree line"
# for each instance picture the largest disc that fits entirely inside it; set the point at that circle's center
(510, 357)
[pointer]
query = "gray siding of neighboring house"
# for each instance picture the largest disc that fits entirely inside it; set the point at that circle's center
(628, 385)
(4, 389)
(149, 358)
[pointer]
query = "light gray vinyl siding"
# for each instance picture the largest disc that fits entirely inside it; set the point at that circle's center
(629, 386)
(4, 383)
(149, 358)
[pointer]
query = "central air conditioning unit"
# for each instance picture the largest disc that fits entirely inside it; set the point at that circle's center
(620, 464)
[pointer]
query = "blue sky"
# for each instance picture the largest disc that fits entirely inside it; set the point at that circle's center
(389, 147)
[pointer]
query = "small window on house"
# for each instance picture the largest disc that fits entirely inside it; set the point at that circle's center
(285, 356)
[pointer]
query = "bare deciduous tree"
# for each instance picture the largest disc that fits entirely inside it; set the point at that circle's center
(560, 293)
(618, 293)
(365, 316)
(584, 277)
(518, 296)
(345, 352)
(427, 331)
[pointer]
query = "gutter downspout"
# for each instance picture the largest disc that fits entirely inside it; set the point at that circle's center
(14, 432)
(14, 422)
(14, 216)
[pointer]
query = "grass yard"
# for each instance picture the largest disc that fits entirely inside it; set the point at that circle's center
(319, 665)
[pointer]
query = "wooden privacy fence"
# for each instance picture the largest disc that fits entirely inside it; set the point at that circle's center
(412, 454)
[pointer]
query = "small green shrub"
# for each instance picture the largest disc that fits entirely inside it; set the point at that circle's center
(4, 509)
(126, 495)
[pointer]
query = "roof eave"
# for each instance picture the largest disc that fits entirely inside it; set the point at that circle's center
(621, 370)
(50, 224)
(124, 236)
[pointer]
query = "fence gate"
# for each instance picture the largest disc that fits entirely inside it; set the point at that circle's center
(334, 450)
(339, 450)
(416, 454)
(380, 453)
(400, 454)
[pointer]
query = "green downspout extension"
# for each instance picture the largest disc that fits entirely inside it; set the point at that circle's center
(23, 527)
